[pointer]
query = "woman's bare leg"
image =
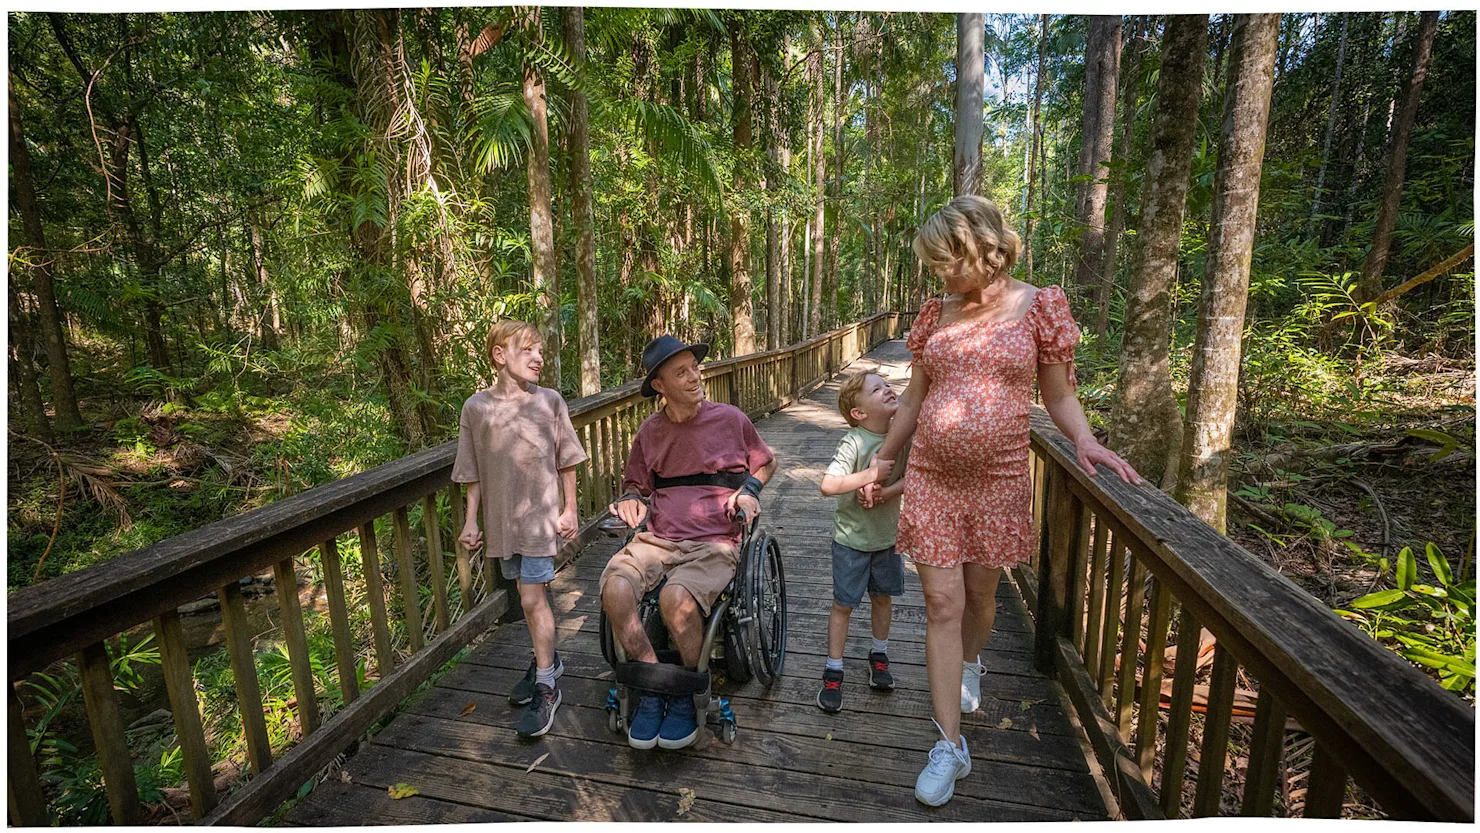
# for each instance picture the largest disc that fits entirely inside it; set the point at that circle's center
(945, 599)
(981, 608)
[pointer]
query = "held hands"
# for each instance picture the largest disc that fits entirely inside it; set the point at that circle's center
(471, 536)
(1089, 451)
(868, 496)
(565, 525)
(632, 511)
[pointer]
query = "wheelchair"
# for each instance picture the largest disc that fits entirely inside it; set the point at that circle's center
(744, 636)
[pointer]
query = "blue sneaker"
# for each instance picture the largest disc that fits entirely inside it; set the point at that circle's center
(680, 725)
(645, 721)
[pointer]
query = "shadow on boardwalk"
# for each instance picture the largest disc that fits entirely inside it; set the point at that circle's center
(790, 762)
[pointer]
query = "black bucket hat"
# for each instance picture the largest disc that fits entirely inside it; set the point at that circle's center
(660, 350)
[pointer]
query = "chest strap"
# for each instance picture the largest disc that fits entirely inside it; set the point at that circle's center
(726, 479)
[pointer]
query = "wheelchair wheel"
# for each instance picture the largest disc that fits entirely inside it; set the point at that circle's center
(765, 600)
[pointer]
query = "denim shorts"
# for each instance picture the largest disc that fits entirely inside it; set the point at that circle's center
(528, 569)
(880, 572)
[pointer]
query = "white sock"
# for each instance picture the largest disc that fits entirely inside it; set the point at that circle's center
(881, 646)
(545, 676)
(834, 664)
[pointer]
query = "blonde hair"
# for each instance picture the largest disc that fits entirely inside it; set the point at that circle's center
(850, 393)
(510, 334)
(968, 238)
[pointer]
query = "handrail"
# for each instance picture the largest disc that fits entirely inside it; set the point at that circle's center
(76, 614)
(1406, 741)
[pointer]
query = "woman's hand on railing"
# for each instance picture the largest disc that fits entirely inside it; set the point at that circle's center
(471, 536)
(630, 509)
(1089, 451)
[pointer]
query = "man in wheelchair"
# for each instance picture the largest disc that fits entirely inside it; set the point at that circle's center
(693, 464)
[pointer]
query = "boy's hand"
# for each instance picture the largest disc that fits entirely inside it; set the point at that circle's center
(565, 525)
(868, 496)
(472, 536)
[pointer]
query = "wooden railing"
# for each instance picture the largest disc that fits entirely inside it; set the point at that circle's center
(1117, 565)
(76, 616)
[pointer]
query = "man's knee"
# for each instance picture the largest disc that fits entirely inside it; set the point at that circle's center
(617, 594)
(677, 605)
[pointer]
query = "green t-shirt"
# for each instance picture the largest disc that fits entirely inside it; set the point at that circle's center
(866, 530)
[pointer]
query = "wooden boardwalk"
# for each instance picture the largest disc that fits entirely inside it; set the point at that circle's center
(790, 762)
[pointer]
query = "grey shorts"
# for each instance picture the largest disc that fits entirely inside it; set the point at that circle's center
(528, 569)
(880, 572)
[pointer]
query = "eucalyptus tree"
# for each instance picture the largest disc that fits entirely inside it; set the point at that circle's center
(1102, 68)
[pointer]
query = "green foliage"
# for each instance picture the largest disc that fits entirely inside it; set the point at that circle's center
(1431, 625)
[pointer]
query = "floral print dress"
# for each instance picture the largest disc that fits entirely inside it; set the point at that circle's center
(967, 491)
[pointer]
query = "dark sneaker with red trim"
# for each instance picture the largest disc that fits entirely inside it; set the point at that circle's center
(830, 696)
(878, 671)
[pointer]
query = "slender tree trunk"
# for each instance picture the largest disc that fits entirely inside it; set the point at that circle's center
(544, 276)
(1145, 424)
(1392, 188)
(788, 227)
(966, 168)
(774, 299)
(20, 359)
(740, 304)
(1103, 52)
(1212, 391)
(52, 337)
(1120, 212)
(819, 160)
(840, 160)
(1036, 143)
(583, 217)
(1315, 206)
(266, 326)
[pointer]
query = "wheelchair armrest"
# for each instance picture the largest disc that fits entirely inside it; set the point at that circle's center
(661, 678)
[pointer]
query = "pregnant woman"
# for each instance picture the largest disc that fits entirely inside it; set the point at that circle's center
(966, 512)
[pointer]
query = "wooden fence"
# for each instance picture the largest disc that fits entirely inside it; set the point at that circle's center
(1117, 565)
(438, 601)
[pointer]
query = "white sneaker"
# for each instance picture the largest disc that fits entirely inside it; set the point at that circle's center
(971, 686)
(937, 782)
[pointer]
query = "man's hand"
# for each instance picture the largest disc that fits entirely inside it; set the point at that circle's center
(744, 501)
(565, 525)
(631, 510)
(471, 536)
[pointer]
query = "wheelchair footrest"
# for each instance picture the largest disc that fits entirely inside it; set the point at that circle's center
(660, 677)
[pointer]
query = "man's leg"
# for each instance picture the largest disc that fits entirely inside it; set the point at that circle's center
(619, 600)
(685, 622)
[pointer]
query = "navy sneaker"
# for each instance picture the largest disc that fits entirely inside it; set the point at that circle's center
(647, 718)
(830, 696)
(523, 691)
(680, 725)
(878, 671)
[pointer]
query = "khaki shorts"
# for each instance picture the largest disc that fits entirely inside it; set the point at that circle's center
(704, 568)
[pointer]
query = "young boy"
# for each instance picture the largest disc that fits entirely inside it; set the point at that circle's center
(517, 450)
(864, 529)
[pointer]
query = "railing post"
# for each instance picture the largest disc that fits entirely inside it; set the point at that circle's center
(1062, 542)
(27, 807)
(108, 735)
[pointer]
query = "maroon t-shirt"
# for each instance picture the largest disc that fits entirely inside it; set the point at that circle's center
(719, 438)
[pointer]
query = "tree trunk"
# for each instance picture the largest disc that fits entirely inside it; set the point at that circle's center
(740, 305)
(1392, 187)
(583, 218)
(266, 326)
(1212, 390)
(544, 276)
(1036, 143)
(787, 229)
(774, 300)
(1119, 214)
(1102, 52)
(1145, 424)
(22, 350)
(835, 236)
(1315, 206)
(52, 337)
(819, 160)
(966, 168)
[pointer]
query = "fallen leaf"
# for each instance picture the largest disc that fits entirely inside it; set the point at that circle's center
(537, 762)
(1005, 724)
(1025, 705)
(469, 708)
(605, 675)
(400, 791)
(685, 800)
(829, 736)
(1033, 732)
(344, 777)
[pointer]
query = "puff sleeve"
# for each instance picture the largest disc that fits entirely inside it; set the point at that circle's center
(1054, 328)
(923, 326)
